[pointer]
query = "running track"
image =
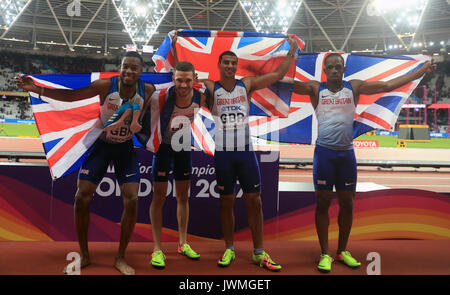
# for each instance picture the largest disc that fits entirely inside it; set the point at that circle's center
(437, 180)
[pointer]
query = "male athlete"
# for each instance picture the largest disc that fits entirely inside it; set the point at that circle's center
(115, 145)
(334, 163)
(175, 151)
(234, 158)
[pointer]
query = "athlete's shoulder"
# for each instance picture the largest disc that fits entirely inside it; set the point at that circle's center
(149, 87)
(355, 83)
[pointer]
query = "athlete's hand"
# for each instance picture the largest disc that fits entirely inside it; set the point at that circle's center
(175, 38)
(293, 44)
(429, 66)
(26, 83)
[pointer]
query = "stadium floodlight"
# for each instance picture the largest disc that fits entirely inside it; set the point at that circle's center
(403, 17)
(271, 16)
(10, 10)
(141, 18)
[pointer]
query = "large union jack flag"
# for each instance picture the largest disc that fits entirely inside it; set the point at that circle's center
(69, 129)
(377, 111)
(258, 53)
(268, 111)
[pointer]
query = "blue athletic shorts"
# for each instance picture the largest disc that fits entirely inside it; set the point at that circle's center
(237, 165)
(334, 168)
(123, 155)
(167, 159)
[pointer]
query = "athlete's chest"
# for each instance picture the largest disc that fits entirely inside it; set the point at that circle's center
(237, 96)
(342, 97)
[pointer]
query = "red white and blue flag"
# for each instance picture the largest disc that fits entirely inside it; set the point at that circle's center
(287, 117)
(69, 129)
(377, 111)
(258, 53)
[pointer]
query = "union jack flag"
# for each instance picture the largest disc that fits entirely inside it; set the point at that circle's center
(69, 129)
(258, 53)
(268, 119)
(377, 111)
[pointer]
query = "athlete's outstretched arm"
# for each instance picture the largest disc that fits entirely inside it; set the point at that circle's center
(265, 80)
(98, 87)
(310, 88)
(363, 87)
(174, 48)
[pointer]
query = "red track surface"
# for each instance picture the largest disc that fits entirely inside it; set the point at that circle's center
(398, 257)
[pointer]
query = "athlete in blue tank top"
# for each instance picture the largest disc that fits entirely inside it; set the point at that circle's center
(115, 144)
(334, 163)
(234, 158)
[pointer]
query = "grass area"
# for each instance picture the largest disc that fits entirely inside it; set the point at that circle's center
(391, 141)
(18, 130)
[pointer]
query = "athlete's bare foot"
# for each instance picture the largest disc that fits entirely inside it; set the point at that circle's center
(121, 265)
(135, 127)
(84, 262)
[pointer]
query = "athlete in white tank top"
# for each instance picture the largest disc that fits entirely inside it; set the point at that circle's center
(335, 112)
(231, 106)
(230, 110)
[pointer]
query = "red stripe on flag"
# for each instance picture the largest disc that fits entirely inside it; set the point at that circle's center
(376, 119)
(299, 98)
(42, 85)
(268, 49)
(162, 99)
(369, 99)
(52, 121)
(66, 147)
(301, 77)
(227, 34)
(190, 41)
(156, 141)
(392, 71)
(107, 75)
(261, 121)
(267, 105)
(200, 136)
(159, 65)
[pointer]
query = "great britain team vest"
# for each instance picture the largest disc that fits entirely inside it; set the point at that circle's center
(230, 111)
(121, 132)
(335, 113)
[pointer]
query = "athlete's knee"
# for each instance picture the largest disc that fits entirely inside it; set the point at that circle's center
(182, 197)
(130, 199)
(323, 202)
(346, 203)
(84, 194)
(227, 201)
(253, 200)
